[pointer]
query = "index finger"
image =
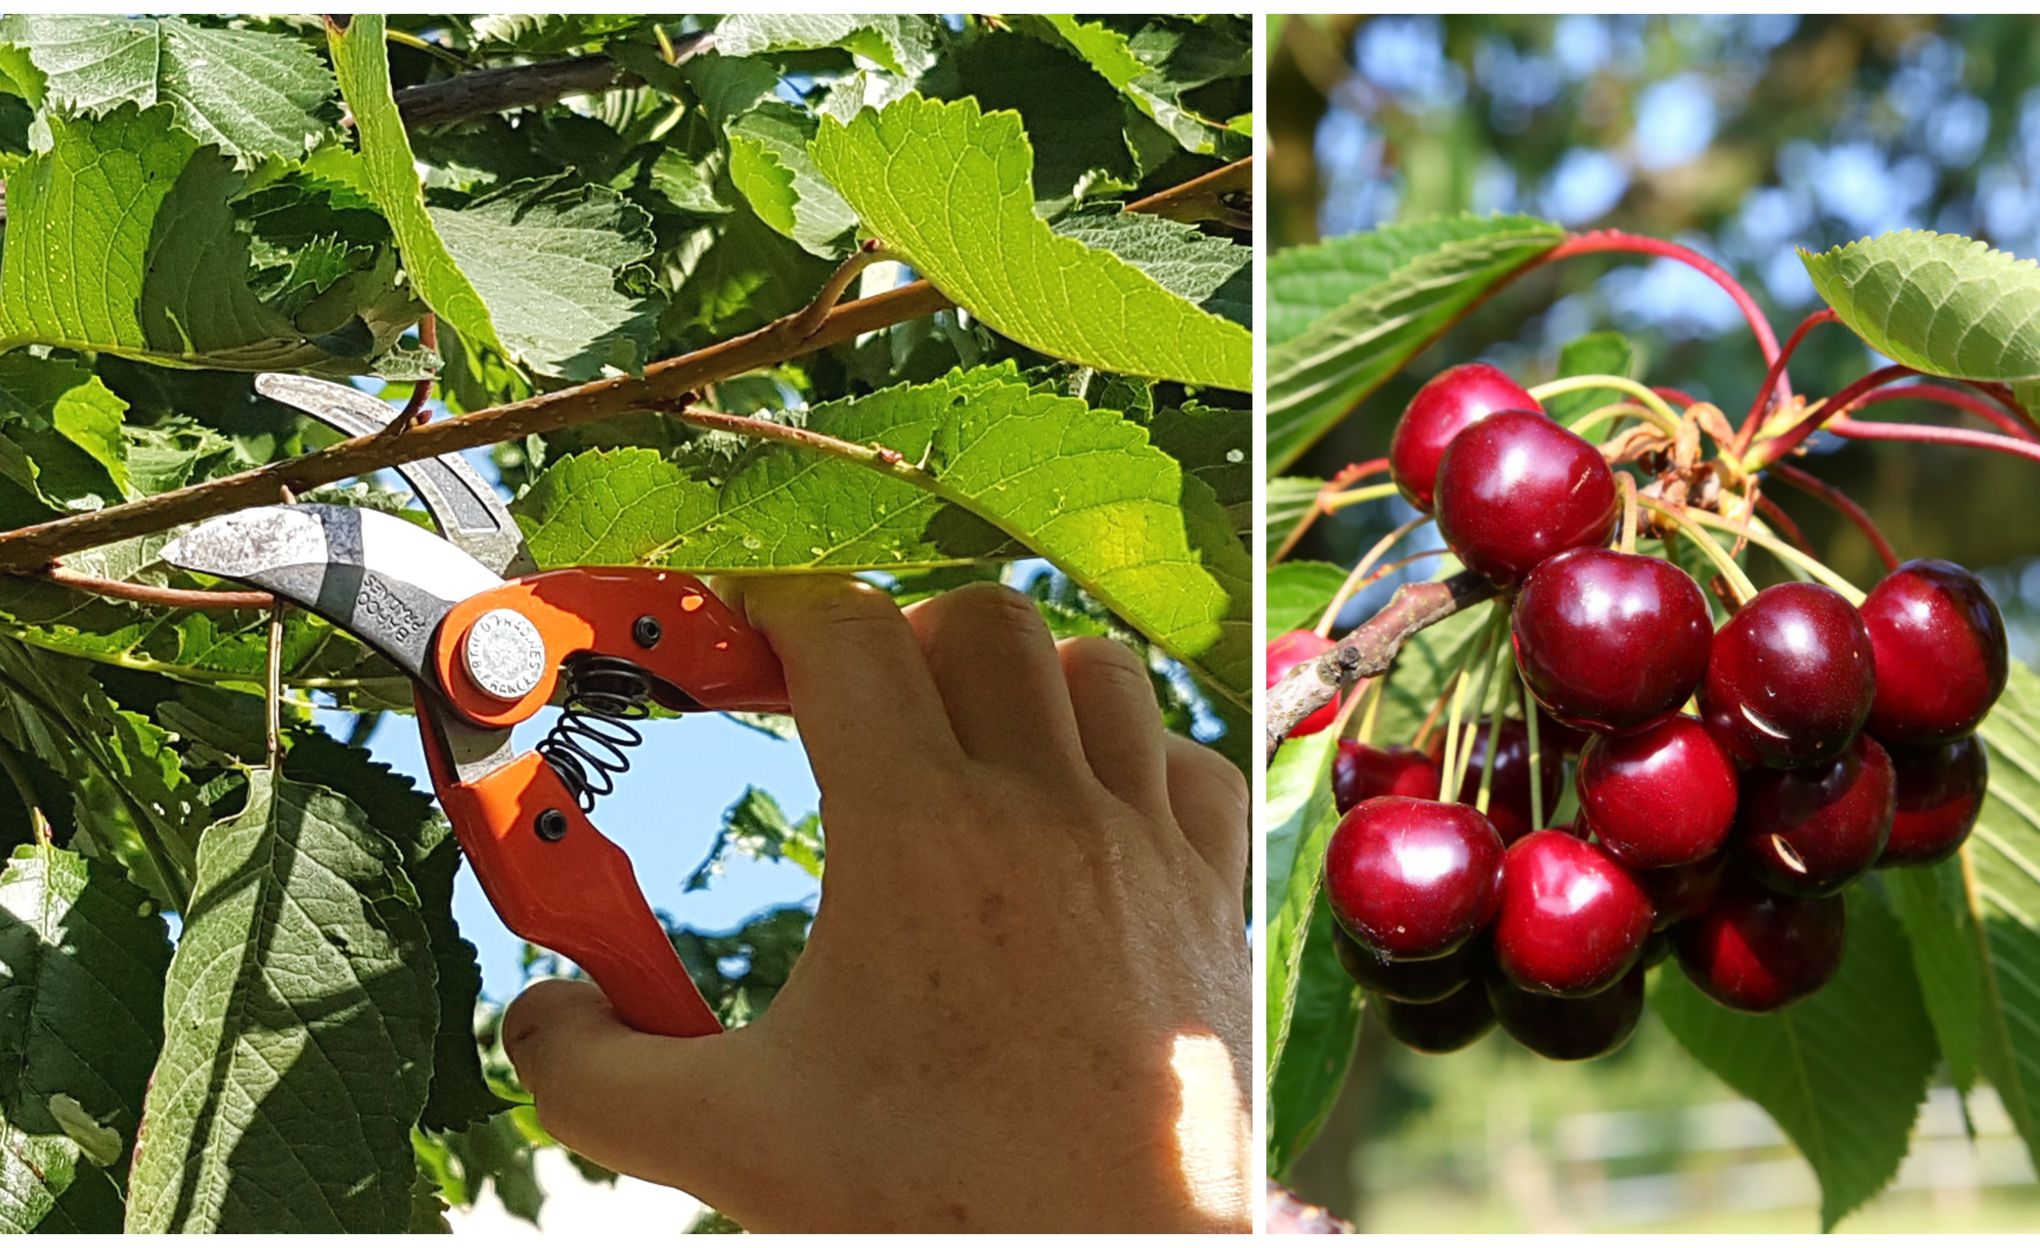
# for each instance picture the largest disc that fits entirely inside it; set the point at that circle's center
(856, 678)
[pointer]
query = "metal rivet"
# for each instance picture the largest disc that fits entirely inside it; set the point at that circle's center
(552, 824)
(646, 631)
(505, 654)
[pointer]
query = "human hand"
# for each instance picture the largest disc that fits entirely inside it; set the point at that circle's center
(1024, 1002)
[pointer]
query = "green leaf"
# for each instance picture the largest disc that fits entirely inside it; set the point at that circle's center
(545, 259)
(1844, 1072)
(1939, 303)
(121, 240)
(253, 93)
(361, 61)
(755, 827)
(300, 1018)
(1396, 290)
(553, 33)
(1215, 445)
(1289, 500)
(1606, 352)
(1214, 273)
(737, 275)
(949, 187)
(901, 43)
(769, 163)
(80, 1023)
(69, 424)
(1299, 815)
(1005, 469)
(1157, 69)
(1975, 922)
(1296, 594)
(1323, 1028)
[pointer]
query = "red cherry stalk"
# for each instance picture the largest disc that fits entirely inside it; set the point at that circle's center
(1784, 523)
(1856, 394)
(1768, 392)
(1950, 397)
(1344, 479)
(1849, 507)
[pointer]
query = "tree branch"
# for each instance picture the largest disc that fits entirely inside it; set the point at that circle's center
(485, 92)
(659, 387)
(1368, 649)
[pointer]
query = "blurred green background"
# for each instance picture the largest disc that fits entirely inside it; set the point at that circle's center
(1744, 137)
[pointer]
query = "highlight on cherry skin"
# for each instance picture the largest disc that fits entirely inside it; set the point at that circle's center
(1742, 757)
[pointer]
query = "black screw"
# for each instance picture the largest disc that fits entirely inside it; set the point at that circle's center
(552, 824)
(646, 631)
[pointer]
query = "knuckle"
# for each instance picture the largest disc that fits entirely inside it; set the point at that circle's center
(1208, 769)
(989, 604)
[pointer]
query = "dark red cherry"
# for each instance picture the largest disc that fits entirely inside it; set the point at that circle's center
(1569, 1029)
(1660, 797)
(1756, 951)
(1811, 832)
(1515, 489)
(1418, 983)
(1940, 646)
(1564, 737)
(1940, 792)
(1411, 878)
(1608, 641)
(1678, 893)
(1509, 785)
(1790, 679)
(1571, 920)
(1286, 652)
(1363, 771)
(1448, 403)
(1442, 1026)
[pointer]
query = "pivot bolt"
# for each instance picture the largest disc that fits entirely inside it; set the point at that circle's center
(505, 654)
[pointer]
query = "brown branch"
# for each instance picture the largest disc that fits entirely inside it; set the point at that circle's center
(659, 387)
(159, 595)
(485, 92)
(1368, 649)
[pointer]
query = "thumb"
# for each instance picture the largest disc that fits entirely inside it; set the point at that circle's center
(682, 1112)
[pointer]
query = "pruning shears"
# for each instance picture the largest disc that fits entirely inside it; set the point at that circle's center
(488, 640)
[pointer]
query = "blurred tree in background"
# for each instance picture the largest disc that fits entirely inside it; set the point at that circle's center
(1745, 137)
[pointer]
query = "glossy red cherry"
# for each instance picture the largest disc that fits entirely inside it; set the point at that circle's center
(1811, 832)
(1411, 878)
(1509, 784)
(1756, 951)
(1447, 404)
(1790, 679)
(1679, 893)
(1940, 646)
(1418, 983)
(1571, 920)
(1363, 771)
(1569, 1029)
(1286, 652)
(1940, 792)
(1660, 797)
(1442, 1026)
(1515, 489)
(1608, 641)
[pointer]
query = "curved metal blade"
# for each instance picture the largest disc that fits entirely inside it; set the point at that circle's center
(466, 510)
(382, 578)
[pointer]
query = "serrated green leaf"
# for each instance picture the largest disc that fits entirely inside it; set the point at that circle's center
(1215, 445)
(553, 33)
(1017, 470)
(1299, 815)
(80, 1023)
(1297, 592)
(1324, 1026)
(121, 240)
(737, 275)
(1214, 273)
(45, 399)
(544, 258)
(770, 165)
(901, 43)
(361, 62)
(1844, 1072)
(757, 828)
(1156, 68)
(950, 188)
(1939, 303)
(301, 997)
(253, 93)
(1606, 352)
(1404, 287)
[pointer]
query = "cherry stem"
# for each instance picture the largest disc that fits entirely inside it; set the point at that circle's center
(1661, 411)
(1529, 704)
(1760, 536)
(1356, 578)
(1330, 504)
(1629, 512)
(1601, 241)
(1602, 415)
(1937, 435)
(1800, 479)
(1345, 477)
(1951, 397)
(1768, 393)
(1783, 523)
(1494, 713)
(1774, 449)
(1743, 589)
(1459, 749)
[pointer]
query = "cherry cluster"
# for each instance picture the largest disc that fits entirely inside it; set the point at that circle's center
(1829, 740)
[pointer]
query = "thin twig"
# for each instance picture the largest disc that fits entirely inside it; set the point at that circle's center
(833, 290)
(159, 595)
(421, 393)
(659, 387)
(1368, 649)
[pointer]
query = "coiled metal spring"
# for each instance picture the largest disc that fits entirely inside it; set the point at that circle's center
(598, 722)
